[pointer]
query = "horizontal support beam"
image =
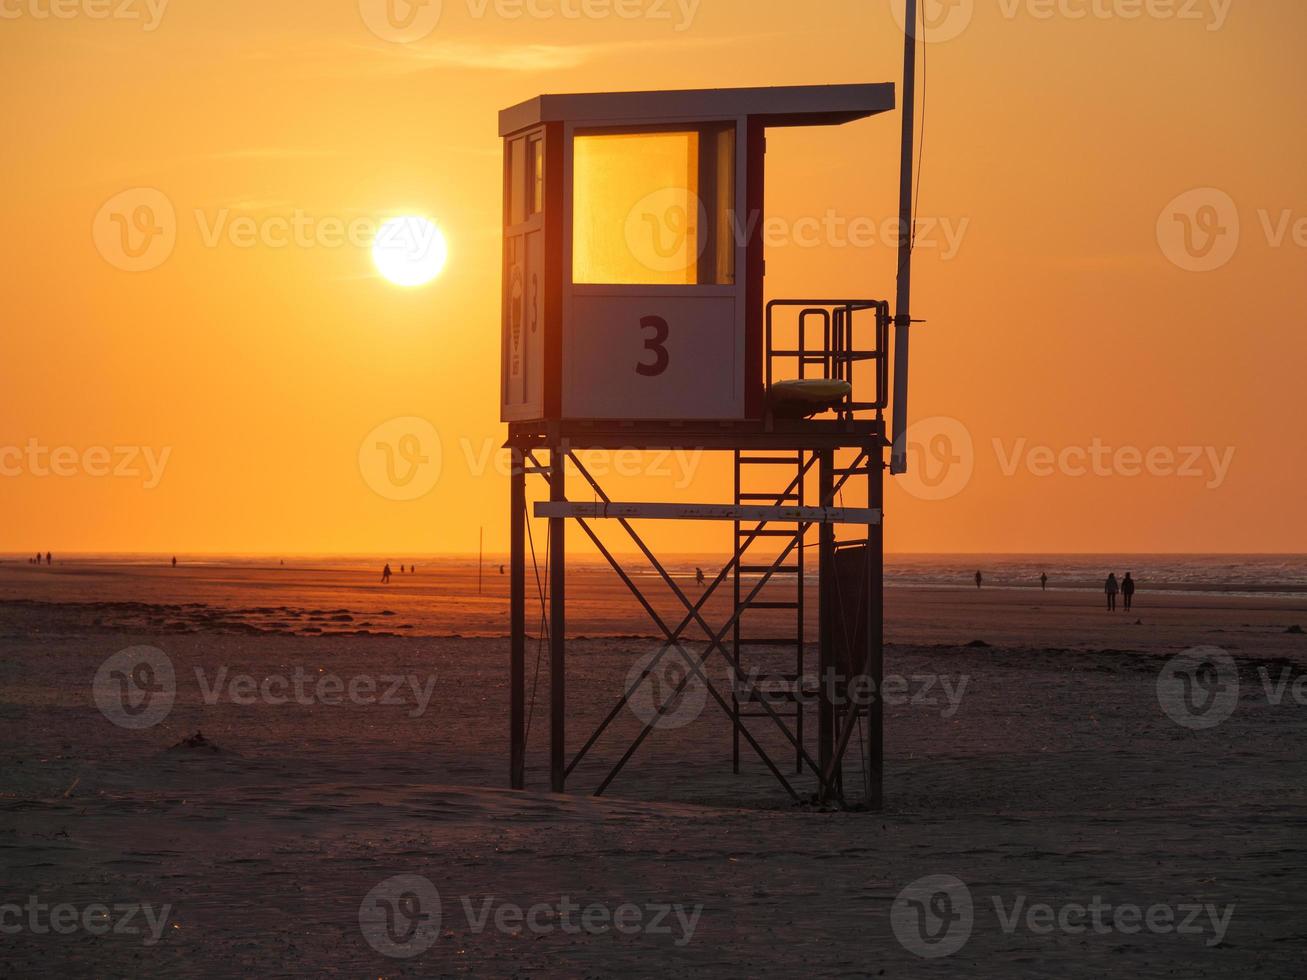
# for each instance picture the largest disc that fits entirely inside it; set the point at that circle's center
(710, 512)
(777, 435)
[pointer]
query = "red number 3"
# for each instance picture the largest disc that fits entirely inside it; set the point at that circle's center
(655, 343)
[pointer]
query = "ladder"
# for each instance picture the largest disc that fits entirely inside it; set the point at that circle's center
(757, 676)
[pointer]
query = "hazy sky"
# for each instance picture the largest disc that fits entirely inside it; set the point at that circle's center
(1055, 264)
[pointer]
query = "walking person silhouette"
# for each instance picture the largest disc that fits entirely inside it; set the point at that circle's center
(1128, 591)
(1111, 588)
(385, 575)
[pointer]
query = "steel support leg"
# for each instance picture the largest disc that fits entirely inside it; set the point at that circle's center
(557, 622)
(827, 594)
(517, 619)
(876, 630)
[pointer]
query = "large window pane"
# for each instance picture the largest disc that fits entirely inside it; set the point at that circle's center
(641, 208)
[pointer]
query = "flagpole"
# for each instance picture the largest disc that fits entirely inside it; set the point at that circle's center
(902, 304)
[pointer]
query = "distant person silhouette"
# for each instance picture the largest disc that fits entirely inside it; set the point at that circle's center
(1111, 588)
(1128, 591)
(501, 569)
(1043, 581)
(979, 579)
(698, 577)
(49, 558)
(174, 561)
(385, 575)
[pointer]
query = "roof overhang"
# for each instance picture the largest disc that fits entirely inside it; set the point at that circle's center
(795, 105)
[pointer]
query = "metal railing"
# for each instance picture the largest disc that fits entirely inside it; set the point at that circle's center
(845, 340)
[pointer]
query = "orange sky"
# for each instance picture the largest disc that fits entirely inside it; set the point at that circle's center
(1057, 320)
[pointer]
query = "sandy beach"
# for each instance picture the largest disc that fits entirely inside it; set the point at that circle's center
(1037, 770)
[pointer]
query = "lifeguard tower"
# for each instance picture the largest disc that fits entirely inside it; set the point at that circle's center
(634, 318)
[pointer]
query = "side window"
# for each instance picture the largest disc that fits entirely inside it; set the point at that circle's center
(517, 182)
(535, 176)
(654, 207)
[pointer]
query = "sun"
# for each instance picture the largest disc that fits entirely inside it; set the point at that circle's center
(409, 251)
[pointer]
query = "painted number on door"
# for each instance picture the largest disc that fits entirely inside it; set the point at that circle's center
(655, 342)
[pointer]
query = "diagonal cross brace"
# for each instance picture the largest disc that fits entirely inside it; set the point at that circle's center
(674, 635)
(715, 639)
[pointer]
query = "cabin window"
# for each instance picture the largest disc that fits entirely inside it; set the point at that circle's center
(516, 204)
(535, 170)
(654, 207)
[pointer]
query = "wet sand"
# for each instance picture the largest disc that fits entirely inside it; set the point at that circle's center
(1055, 777)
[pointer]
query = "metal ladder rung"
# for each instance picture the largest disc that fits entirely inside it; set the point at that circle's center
(777, 497)
(771, 460)
(763, 569)
(755, 604)
(771, 641)
(767, 533)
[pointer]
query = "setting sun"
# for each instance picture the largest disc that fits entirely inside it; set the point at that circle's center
(409, 251)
